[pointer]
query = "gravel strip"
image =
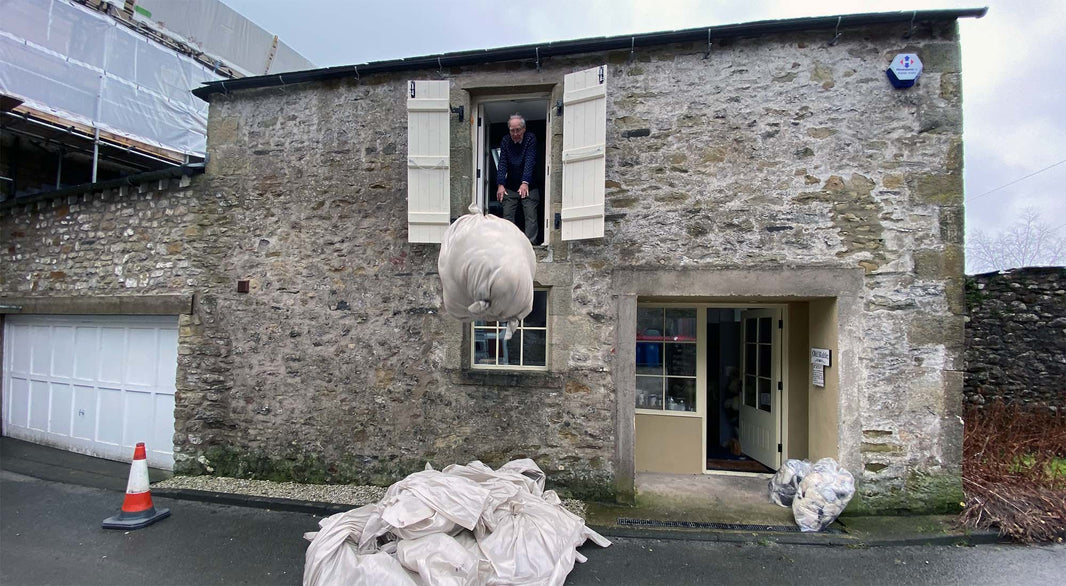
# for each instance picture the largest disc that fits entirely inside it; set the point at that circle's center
(342, 494)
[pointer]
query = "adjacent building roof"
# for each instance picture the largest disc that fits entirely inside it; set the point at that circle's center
(544, 50)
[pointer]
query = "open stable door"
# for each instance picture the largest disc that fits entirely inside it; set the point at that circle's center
(428, 159)
(760, 417)
(584, 144)
(481, 154)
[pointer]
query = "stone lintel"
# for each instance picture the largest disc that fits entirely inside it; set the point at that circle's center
(783, 284)
(100, 305)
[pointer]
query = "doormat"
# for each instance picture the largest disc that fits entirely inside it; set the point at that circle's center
(627, 522)
(738, 466)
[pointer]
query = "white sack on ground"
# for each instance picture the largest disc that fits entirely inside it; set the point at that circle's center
(486, 267)
(439, 560)
(456, 499)
(822, 495)
(535, 541)
(464, 525)
(335, 558)
(784, 483)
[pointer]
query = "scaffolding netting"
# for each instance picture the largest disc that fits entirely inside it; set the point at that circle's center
(83, 66)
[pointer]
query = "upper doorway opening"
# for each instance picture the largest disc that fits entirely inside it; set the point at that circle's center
(491, 130)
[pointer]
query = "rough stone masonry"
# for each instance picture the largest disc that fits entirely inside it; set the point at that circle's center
(1016, 337)
(772, 152)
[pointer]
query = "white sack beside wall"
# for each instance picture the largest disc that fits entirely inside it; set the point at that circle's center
(486, 268)
(464, 526)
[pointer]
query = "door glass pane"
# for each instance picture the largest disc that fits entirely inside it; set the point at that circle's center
(749, 391)
(535, 342)
(749, 358)
(749, 331)
(765, 328)
(649, 392)
(681, 359)
(681, 394)
(764, 394)
(484, 346)
(681, 324)
(649, 358)
(649, 323)
(764, 360)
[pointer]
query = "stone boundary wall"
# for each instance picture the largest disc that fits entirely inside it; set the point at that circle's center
(128, 240)
(1016, 337)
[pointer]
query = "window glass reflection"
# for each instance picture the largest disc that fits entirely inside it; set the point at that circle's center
(649, 358)
(649, 323)
(681, 394)
(681, 359)
(649, 392)
(681, 325)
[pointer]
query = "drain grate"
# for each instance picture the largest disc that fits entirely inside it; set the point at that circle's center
(625, 521)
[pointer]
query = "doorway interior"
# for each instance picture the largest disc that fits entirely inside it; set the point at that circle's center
(710, 389)
(743, 373)
(491, 128)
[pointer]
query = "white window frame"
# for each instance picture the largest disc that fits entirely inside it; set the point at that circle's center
(701, 360)
(521, 326)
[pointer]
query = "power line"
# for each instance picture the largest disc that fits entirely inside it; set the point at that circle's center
(1019, 179)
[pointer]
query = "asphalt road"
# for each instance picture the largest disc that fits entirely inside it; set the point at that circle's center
(50, 534)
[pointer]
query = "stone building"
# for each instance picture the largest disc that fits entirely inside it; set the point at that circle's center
(716, 204)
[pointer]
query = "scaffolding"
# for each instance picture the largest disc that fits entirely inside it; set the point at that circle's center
(106, 84)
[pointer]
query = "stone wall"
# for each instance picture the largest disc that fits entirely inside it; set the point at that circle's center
(1016, 337)
(126, 241)
(770, 153)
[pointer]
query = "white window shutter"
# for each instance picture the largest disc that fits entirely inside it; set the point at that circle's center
(584, 139)
(428, 200)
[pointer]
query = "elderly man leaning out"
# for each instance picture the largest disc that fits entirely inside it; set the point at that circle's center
(514, 175)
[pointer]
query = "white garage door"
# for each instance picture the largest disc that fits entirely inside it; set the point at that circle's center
(92, 384)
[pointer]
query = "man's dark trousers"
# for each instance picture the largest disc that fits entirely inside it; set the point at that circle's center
(529, 210)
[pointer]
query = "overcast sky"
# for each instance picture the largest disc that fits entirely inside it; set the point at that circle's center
(1014, 110)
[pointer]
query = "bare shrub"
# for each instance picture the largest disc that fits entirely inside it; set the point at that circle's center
(1014, 472)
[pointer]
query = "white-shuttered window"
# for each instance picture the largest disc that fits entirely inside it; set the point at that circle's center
(584, 138)
(583, 157)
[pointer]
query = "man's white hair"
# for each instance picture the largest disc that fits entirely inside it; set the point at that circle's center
(520, 119)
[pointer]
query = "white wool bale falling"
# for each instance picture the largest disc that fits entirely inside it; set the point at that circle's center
(486, 267)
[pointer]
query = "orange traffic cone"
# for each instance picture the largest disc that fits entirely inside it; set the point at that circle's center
(137, 508)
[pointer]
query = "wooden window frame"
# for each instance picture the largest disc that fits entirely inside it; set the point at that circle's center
(700, 343)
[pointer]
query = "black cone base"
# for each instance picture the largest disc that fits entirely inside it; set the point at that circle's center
(135, 520)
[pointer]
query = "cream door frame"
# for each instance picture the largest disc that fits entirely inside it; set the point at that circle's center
(701, 344)
(756, 418)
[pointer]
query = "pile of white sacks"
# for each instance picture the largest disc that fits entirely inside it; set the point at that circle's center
(817, 493)
(464, 526)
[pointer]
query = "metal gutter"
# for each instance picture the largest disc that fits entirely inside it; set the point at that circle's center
(544, 50)
(169, 173)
